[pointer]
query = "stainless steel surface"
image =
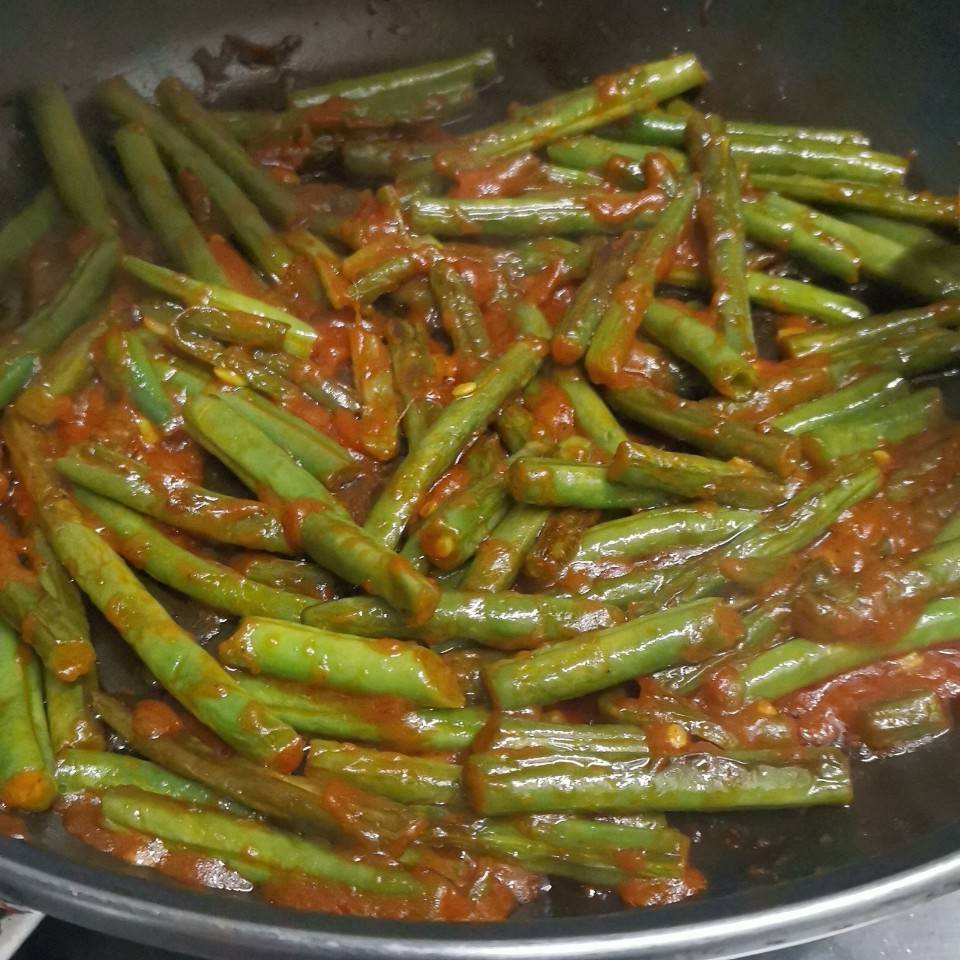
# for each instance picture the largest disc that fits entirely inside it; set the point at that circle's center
(929, 932)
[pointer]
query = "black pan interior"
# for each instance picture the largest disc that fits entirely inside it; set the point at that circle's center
(885, 66)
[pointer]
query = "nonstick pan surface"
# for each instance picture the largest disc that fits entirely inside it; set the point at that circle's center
(884, 66)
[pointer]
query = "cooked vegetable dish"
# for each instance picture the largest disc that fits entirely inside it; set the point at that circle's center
(525, 485)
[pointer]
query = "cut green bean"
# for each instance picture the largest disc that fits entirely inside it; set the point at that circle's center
(82, 770)
(254, 233)
(623, 316)
(690, 339)
(609, 99)
(68, 155)
(585, 312)
(660, 128)
(277, 201)
(896, 723)
(886, 200)
(692, 477)
(595, 153)
(576, 667)
(651, 531)
(696, 425)
(166, 212)
(388, 721)
(342, 662)
(25, 781)
(705, 781)
(478, 66)
(132, 809)
(722, 219)
(861, 396)
(459, 313)
(20, 233)
(447, 436)
(213, 584)
(300, 335)
(184, 668)
(50, 325)
(874, 427)
(543, 482)
(395, 775)
(800, 663)
(534, 214)
(507, 621)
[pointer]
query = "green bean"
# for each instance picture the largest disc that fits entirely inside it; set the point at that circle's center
(544, 482)
(799, 522)
(659, 128)
(184, 668)
(56, 631)
(303, 805)
(700, 427)
(874, 427)
(886, 200)
(254, 233)
(895, 723)
(82, 770)
(523, 736)
(499, 559)
(49, 326)
(535, 214)
(877, 329)
(882, 259)
(213, 584)
(294, 576)
(703, 781)
(477, 66)
(800, 663)
(68, 155)
(395, 775)
(25, 781)
(460, 313)
(722, 219)
(300, 336)
(130, 368)
(803, 240)
(160, 202)
(690, 339)
(585, 312)
(446, 437)
(177, 502)
(664, 711)
(576, 667)
(70, 716)
(652, 531)
(380, 413)
(507, 621)
(388, 721)
(20, 233)
(762, 628)
(863, 395)
(692, 477)
(595, 153)
(416, 374)
(277, 201)
(341, 662)
(131, 809)
(609, 99)
(625, 311)
(787, 296)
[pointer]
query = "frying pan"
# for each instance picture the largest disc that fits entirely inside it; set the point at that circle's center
(776, 878)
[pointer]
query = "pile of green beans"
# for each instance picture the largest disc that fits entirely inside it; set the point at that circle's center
(517, 533)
